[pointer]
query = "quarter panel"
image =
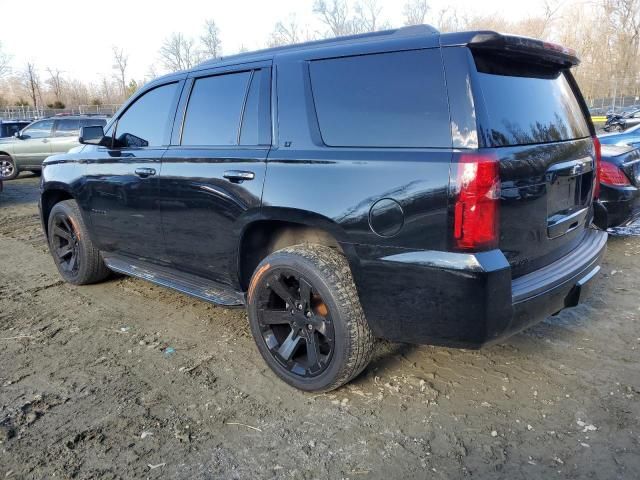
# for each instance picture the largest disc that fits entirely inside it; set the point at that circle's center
(343, 185)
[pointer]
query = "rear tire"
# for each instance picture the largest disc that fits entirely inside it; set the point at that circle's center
(8, 168)
(306, 318)
(78, 260)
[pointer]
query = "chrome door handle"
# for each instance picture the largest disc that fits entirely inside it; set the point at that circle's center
(145, 172)
(238, 176)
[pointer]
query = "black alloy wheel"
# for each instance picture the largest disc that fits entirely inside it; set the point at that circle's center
(306, 318)
(295, 323)
(65, 243)
(77, 259)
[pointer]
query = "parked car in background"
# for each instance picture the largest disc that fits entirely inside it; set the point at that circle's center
(619, 186)
(622, 120)
(8, 128)
(405, 184)
(40, 139)
(630, 136)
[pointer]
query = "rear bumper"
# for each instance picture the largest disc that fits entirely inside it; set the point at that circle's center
(468, 300)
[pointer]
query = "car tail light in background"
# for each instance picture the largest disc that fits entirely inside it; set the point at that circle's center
(611, 174)
(598, 149)
(476, 207)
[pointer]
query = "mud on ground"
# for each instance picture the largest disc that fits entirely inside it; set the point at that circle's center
(129, 380)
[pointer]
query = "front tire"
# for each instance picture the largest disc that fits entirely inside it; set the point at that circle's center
(306, 318)
(8, 168)
(78, 260)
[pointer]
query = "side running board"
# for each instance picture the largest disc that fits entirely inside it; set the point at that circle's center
(195, 286)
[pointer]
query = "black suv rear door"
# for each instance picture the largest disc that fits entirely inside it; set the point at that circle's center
(532, 117)
(121, 181)
(213, 172)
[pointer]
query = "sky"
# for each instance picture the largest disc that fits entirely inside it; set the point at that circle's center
(77, 36)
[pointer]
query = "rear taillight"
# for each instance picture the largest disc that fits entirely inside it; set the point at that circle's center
(598, 149)
(476, 207)
(610, 174)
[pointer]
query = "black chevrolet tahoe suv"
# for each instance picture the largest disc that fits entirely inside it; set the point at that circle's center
(410, 185)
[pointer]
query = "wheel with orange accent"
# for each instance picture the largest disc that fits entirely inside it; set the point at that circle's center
(306, 318)
(78, 260)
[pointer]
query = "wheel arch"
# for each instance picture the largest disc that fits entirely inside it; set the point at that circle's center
(48, 199)
(277, 228)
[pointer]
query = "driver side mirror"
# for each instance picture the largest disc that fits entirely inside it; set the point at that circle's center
(93, 135)
(17, 135)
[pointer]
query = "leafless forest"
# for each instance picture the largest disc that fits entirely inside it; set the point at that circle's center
(606, 34)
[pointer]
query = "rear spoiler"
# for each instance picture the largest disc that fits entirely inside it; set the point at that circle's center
(516, 47)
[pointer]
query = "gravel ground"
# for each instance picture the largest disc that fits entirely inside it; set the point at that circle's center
(129, 380)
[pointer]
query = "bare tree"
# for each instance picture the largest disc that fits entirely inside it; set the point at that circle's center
(120, 61)
(368, 13)
(334, 15)
(211, 43)
(152, 72)
(55, 82)
(415, 12)
(78, 92)
(178, 52)
(5, 60)
(31, 83)
(449, 20)
(285, 33)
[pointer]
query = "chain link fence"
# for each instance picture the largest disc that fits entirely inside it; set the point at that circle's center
(600, 106)
(26, 112)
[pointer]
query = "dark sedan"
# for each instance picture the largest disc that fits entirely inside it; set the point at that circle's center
(620, 185)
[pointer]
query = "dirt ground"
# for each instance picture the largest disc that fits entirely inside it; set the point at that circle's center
(129, 380)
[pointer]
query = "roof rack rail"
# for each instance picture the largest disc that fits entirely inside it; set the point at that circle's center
(396, 32)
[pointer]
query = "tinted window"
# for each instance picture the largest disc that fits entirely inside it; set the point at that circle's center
(144, 123)
(40, 129)
(537, 108)
(384, 100)
(68, 128)
(215, 106)
(12, 128)
(256, 122)
(93, 122)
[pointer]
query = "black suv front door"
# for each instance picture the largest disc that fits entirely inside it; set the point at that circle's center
(122, 179)
(213, 173)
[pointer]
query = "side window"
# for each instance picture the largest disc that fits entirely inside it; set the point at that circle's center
(93, 122)
(12, 128)
(68, 128)
(394, 99)
(145, 122)
(40, 129)
(256, 117)
(214, 110)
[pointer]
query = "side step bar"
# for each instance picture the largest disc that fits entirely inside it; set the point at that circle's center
(198, 287)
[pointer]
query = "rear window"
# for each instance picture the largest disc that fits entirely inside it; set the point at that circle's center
(530, 109)
(93, 122)
(68, 128)
(393, 99)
